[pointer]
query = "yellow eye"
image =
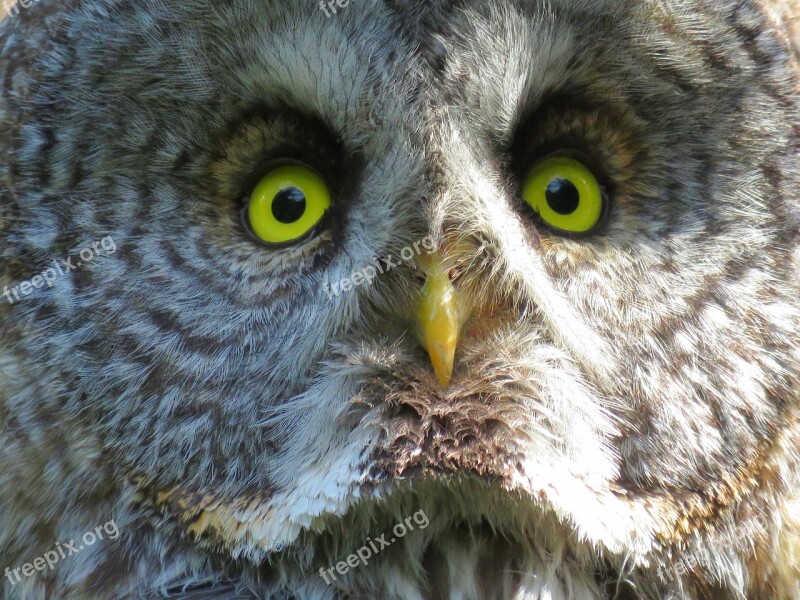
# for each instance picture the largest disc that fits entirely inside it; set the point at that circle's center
(565, 194)
(287, 204)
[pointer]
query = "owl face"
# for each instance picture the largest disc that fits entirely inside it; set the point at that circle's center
(587, 364)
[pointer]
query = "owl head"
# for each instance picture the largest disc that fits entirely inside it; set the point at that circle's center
(521, 276)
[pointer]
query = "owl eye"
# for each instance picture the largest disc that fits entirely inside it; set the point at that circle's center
(565, 194)
(287, 205)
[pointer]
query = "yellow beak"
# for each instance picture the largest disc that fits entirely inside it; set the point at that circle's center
(438, 319)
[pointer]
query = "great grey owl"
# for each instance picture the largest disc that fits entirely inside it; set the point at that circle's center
(384, 299)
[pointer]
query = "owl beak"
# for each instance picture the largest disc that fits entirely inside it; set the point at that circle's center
(438, 319)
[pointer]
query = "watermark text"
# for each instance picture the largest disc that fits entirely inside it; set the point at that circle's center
(363, 555)
(50, 274)
(62, 551)
(370, 272)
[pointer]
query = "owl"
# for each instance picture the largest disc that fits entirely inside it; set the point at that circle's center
(402, 300)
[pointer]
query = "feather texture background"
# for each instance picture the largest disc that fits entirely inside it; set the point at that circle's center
(622, 419)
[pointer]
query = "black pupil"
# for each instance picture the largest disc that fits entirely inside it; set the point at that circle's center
(562, 196)
(289, 205)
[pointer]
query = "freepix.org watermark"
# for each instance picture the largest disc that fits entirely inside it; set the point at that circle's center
(367, 274)
(683, 566)
(332, 4)
(11, 7)
(374, 547)
(62, 551)
(48, 277)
